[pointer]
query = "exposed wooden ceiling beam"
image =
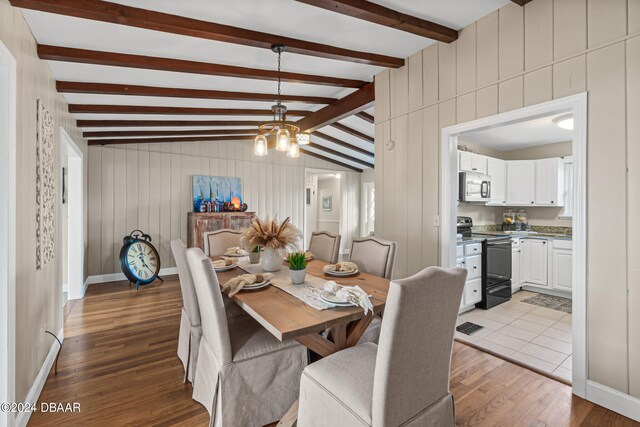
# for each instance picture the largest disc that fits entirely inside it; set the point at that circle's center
(366, 117)
(343, 144)
(129, 133)
(343, 107)
(339, 154)
(152, 20)
(122, 89)
(353, 132)
(372, 12)
(143, 109)
(84, 56)
(162, 123)
(521, 2)
(319, 156)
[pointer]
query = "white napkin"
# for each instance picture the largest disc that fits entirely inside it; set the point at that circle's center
(235, 251)
(341, 266)
(221, 263)
(236, 284)
(353, 294)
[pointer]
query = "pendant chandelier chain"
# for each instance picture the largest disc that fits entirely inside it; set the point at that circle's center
(279, 80)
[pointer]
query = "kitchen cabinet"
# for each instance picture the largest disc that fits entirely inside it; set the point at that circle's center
(534, 262)
(561, 276)
(469, 256)
(497, 170)
(471, 162)
(521, 182)
(472, 292)
(549, 182)
(516, 283)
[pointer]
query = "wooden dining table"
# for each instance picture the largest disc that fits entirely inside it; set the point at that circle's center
(286, 317)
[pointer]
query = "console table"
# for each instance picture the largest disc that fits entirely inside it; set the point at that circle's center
(200, 222)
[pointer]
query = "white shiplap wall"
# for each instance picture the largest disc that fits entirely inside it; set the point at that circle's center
(515, 57)
(148, 186)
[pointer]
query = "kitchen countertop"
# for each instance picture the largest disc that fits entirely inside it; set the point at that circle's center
(479, 237)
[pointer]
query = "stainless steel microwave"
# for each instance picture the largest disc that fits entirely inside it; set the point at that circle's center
(474, 187)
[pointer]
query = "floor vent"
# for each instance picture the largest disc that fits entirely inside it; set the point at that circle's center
(468, 328)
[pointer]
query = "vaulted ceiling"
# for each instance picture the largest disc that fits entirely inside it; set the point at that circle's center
(198, 70)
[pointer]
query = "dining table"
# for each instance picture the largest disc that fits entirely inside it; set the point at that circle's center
(322, 331)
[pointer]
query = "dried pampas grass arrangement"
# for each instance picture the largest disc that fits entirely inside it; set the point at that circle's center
(272, 235)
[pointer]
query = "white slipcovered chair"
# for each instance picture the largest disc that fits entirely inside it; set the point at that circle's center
(190, 327)
(377, 257)
(245, 376)
(405, 379)
(217, 242)
(374, 256)
(325, 246)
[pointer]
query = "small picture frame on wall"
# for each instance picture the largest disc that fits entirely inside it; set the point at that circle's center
(64, 185)
(326, 203)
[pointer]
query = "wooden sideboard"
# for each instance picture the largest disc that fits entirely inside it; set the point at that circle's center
(200, 222)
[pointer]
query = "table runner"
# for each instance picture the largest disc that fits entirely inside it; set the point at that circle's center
(308, 292)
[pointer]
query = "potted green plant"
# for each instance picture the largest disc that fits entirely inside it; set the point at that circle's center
(254, 255)
(298, 267)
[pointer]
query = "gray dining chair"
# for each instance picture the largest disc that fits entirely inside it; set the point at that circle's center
(217, 242)
(325, 246)
(245, 376)
(374, 256)
(377, 257)
(190, 324)
(404, 380)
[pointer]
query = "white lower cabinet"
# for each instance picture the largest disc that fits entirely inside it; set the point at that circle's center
(561, 271)
(516, 282)
(534, 262)
(472, 292)
(474, 266)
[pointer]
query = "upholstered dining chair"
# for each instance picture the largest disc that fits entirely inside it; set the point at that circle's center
(190, 326)
(218, 241)
(374, 256)
(404, 380)
(245, 376)
(325, 246)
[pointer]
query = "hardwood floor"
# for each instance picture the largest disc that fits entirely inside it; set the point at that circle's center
(119, 362)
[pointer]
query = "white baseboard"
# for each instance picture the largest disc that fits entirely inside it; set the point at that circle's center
(34, 392)
(115, 277)
(554, 292)
(614, 400)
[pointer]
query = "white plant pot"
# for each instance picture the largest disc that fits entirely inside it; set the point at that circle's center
(271, 260)
(297, 276)
(254, 257)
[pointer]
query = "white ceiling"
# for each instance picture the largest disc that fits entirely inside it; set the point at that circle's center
(527, 134)
(284, 17)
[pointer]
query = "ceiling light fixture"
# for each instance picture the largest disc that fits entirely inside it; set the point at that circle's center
(279, 127)
(564, 121)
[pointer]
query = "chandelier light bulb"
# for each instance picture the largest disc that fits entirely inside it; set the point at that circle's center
(294, 151)
(303, 138)
(260, 146)
(283, 140)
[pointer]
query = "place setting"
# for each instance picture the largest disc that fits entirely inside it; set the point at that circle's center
(224, 264)
(247, 282)
(341, 269)
(235, 252)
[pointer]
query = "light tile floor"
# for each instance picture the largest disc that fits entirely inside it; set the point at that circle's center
(535, 336)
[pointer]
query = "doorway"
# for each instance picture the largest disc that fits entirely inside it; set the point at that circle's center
(575, 107)
(72, 226)
(323, 201)
(7, 229)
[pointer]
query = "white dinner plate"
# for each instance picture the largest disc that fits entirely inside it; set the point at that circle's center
(226, 268)
(236, 255)
(341, 273)
(256, 285)
(331, 298)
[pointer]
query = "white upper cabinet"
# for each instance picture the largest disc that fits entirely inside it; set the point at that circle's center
(549, 182)
(497, 170)
(470, 162)
(521, 182)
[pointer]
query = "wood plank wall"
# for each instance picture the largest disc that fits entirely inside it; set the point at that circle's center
(513, 58)
(148, 186)
(38, 292)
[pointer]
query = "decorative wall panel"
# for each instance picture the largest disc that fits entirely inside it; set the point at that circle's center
(45, 188)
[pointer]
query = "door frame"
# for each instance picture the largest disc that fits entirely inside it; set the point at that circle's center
(75, 224)
(342, 223)
(8, 189)
(577, 105)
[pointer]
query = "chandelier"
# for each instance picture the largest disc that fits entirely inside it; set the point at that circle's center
(287, 134)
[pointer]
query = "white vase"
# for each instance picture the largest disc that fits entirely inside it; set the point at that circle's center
(298, 276)
(271, 260)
